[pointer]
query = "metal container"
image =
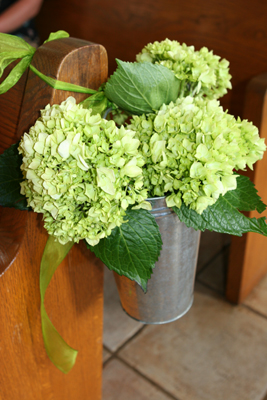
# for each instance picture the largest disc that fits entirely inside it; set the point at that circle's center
(170, 290)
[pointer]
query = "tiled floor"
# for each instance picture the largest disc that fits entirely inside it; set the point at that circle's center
(215, 352)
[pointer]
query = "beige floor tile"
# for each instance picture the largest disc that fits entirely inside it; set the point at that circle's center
(210, 244)
(215, 352)
(118, 327)
(122, 383)
(214, 274)
(257, 300)
(106, 355)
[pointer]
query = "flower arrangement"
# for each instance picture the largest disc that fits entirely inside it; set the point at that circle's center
(156, 128)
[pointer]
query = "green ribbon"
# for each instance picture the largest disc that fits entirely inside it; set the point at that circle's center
(13, 48)
(57, 35)
(15, 74)
(60, 353)
(61, 85)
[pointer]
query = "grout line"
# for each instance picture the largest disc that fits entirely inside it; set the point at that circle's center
(198, 279)
(264, 395)
(114, 353)
(254, 311)
(131, 338)
(170, 396)
(205, 266)
(105, 363)
(222, 252)
(251, 309)
(106, 348)
(217, 291)
(234, 305)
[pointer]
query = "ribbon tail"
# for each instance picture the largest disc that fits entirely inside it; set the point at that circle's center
(60, 353)
(56, 84)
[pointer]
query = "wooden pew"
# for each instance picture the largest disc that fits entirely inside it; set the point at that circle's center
(248, 255)
(74, 299)
(235, 30)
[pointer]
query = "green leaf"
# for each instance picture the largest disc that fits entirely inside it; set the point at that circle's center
(133, 248)
(224, 217)
(15, 74)
(10, 178)
(54, 83)
(57, 35)
(245, 197)
(98, 102)
(141, 87)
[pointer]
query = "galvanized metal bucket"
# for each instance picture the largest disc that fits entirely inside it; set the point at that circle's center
(170, 290)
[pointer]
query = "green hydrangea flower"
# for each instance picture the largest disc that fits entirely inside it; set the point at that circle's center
(201, 72)
(191, 148)
(81, 172)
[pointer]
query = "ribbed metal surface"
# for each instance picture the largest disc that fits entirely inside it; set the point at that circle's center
(170, 290)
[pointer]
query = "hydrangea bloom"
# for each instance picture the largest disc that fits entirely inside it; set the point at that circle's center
(191, 149)
(81, 172)
(201, 72)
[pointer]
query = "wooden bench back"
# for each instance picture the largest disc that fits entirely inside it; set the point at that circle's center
(74, 299)
(248, 255)
(233, 29)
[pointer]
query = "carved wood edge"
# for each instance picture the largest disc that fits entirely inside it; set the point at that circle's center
(12, 228)
(11, 102)
(255, 110)
(51, 59)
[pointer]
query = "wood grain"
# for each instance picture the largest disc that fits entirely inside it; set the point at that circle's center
(87, 64)
(235, 30)
(74, 299)
(12, 230)
(248, 255)
(10, 110)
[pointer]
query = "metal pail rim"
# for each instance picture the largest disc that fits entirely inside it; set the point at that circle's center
(159, 206)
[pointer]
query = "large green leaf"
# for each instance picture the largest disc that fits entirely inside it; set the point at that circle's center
(224, 217)
(10, 178)
(133, 248)
(141, 87)
(245, 197)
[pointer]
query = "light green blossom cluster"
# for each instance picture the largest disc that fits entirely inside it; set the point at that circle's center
(81, 172)
(191, 149)
(201, 72)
